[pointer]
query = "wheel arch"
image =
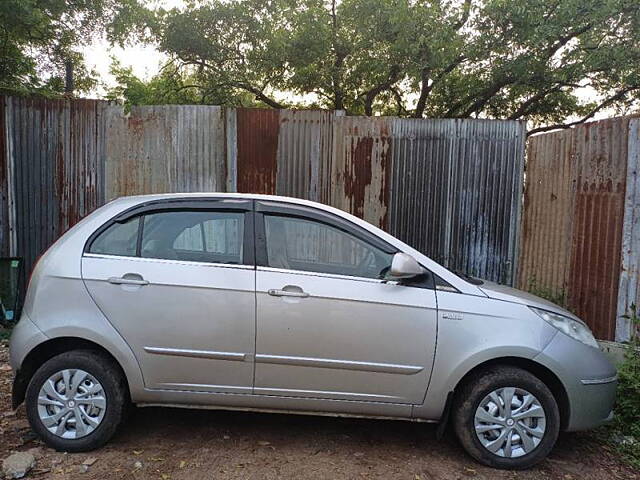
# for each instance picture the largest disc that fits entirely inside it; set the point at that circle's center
(547, 376)
(49, 349)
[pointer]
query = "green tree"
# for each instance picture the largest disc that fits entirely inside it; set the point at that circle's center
(171, 86)
(38, 38)
(435, 58)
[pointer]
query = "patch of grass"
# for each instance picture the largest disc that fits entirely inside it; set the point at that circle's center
(625, 431)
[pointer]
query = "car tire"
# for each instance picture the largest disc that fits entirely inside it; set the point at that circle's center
(516, 443)
(95, 393)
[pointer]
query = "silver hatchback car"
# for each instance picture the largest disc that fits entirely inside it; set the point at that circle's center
(267, 303)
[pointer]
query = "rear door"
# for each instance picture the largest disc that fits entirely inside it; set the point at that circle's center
(327, 325)
(177, 281)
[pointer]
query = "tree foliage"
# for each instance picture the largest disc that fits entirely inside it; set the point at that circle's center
(435, 58)
(171, 86)
(38, 37)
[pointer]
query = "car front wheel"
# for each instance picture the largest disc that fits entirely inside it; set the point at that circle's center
(506, 418)
(76, 400)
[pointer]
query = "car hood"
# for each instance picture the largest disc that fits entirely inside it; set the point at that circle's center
(509, 294)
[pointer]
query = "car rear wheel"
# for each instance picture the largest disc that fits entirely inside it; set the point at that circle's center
(76, 400)
(506, 418)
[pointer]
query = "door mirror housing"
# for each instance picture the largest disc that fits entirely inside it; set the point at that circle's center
(404, 266)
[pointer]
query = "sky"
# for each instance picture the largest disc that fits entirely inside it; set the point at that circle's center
(145, 60)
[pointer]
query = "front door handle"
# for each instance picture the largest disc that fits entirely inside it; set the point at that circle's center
(128, 279)
(288, 291)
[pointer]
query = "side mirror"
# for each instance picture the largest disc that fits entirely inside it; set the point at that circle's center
(404, 266)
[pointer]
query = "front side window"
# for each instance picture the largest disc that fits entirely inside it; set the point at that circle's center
(118, 239)
(301, 244)
(199, 236)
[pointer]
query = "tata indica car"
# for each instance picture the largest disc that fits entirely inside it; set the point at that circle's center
(265, 303)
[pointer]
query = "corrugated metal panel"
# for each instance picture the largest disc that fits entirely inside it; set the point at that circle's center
(548, 215)
(420, 211)
(629, 284)
(304, 153)
(257, 139)
(456, 192)
(361, 167)
(169, 148)
(4, 183)
(56, 151)
(572, 228)
(486, 194)
(601, 154)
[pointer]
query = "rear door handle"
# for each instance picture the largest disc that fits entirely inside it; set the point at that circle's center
(298, 292)
(128, 281)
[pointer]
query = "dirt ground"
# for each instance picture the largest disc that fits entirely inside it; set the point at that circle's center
(163, 444)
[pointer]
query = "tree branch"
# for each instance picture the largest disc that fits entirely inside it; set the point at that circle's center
(370, 95)
(510, 79)
(400, 111)
(426, 88)
(607, 102)
(258, 92)
(466, 11)
(523, 109)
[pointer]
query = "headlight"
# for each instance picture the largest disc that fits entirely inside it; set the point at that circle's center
(571, 327)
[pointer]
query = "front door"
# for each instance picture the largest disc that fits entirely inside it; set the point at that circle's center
(178, 284)
(327, 325)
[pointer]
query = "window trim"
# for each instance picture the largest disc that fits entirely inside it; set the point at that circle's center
(186, 205)
(330, 219)
(106, 256)
(336, 276)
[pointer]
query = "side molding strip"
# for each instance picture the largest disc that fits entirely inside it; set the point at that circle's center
(178, 352)
(339, 364)
(599, 381)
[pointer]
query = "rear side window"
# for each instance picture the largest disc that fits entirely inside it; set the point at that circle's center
(118, 239)
(199, 236)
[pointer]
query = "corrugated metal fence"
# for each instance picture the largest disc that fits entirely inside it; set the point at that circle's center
(581, 225)
(451, 188)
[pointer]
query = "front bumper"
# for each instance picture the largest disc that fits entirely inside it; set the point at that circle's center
(592, 405)
(589, 380)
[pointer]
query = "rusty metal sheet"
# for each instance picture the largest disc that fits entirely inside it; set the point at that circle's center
(56, 155)
(629, 283)
(361, 167)
(304, 153)
(601, 161)
(572, 226)
(168, 148)
(547, 224)
(257, 141)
